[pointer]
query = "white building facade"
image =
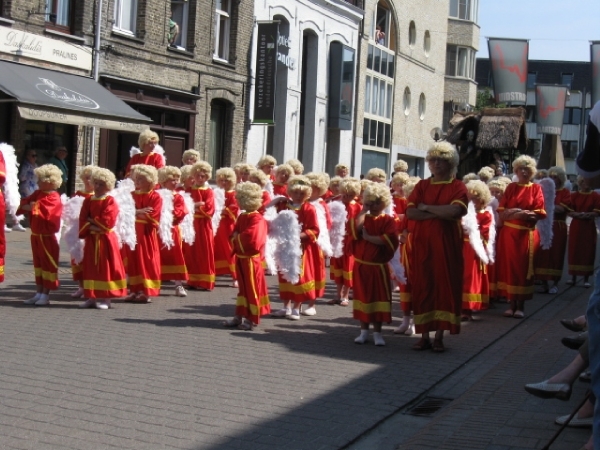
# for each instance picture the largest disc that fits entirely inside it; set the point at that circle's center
(318, 41)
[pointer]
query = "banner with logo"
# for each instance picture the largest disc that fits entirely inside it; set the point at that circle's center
(509, 69)
(266, 72)
(595, 58)
(550, 108)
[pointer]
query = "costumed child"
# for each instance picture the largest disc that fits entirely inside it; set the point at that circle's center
(406, 243)
(296, 165)
(374, 242)
(400, 166)
(582, 232)
(190, 157)
(103, 274)
(244, 172)
(293, 295)
(282, 174)
(88, 190)
(319, 183)
(266, 165)
(186, 181)
(342, 170)
(248, 239)
(44, 208)
(172, 263)
(148, 141)
(486, 173)
(259, 177)
(201, 256)
(376, 175)
(478, 245)
(398, 181)
(143, 262)
(224, 257)
(341, 267)
(549, 262)
(334, 188)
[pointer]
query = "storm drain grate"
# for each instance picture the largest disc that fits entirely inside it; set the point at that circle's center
(428, 406)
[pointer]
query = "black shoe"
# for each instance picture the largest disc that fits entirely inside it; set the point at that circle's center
(574, 342)
(570, 324)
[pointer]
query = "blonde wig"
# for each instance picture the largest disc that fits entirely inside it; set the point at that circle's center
(49, 173)
(226, 175)
(497, 183)
(444, 150)
(335, 182)
(377, 192)
(400, 166)
(204, 167)
(86, 172)
(259, 177)
(559, 173)
(376, 175)
(486, 174)
(266, 160)
(363, 184)
(479, 190)
(149, 173)
(297, 166)
(400, 179)
(299, 183)
(409, 187)
(186, 173)
(104, 175)
(319, 182)
(168, 173)
(351, 186)
(340, 167)
(190, 154)
(249, 196)
(470, 177)
(527, 162)
(147, 136)
(284, 168)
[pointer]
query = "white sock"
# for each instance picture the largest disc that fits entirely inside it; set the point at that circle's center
(295, 312)
(38, 295)
(363, 337)
(378, 339)
(44, 296)
(406, 319)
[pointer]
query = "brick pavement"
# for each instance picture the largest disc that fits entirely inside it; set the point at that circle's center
(167, 375)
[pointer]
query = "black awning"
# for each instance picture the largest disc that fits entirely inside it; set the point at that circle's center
(53, 96)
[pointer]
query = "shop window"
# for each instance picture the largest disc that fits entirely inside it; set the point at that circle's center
(222, 29)
(59, 15)
(126, 16)
(178, 24)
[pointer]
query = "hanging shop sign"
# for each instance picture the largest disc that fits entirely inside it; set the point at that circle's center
(266, 72)
(509, 69)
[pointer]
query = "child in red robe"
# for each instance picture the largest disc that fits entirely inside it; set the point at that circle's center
(88, 191)
(258, 177)
(282, 174)
(103, 274)
(201, 256)
(143, 263)
(224, 257)
(248, 239)
(295, 294)
(374, 242)
(172, 263)
(44, 208)
(148, 140)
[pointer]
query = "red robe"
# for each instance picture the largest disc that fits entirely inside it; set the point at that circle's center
(583, 235)
(476, 288)
(2, 217)
(77, 269)
(172, 263)
(103, 274)
(372, 288)
(151, 159)
(44, 220)
(279, 189)
(518, 242)
(224, 257)
(341, 268)
(549, 263)
(400, 203)
(266, 199)
(200, 256)
(249, 247)
(319, 257)
(143, 263)
(437, 263)
(406, 260)
(304, 289)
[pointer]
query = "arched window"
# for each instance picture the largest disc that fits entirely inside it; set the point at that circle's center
(384, 29)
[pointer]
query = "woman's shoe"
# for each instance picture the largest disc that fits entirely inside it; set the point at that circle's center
(570, 324)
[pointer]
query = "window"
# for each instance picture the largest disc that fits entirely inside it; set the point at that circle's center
(531, 80)
(383, 30)
(178, 24)
(406, 101)
(460, 62)
(412, 34)
(125, 16)
(427, 43)
(222, 29)
(422, 106)
(530, 111)
(566, 79)
(572, 116)
(464, 9)
(58, 14)
(570, 149)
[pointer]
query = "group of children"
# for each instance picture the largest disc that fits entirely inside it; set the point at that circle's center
(188, 232)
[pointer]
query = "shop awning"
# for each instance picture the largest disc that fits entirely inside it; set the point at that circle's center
(53, 96)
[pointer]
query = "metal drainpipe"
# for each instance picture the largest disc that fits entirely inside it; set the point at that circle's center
(95, 73)
(361, 33)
